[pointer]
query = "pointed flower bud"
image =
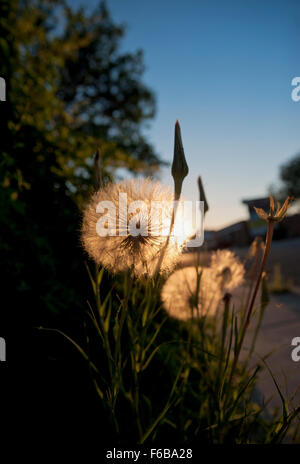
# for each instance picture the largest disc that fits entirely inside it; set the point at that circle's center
(202, 195)
(179, 167)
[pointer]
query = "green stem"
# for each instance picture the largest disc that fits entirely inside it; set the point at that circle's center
(253, 274)
(226, 299)
(105, 337)
(163, 252)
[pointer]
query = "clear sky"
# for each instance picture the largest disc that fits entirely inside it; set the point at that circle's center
(224, 69)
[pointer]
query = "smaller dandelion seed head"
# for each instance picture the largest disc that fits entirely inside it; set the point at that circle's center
(225, 276)
(179, 293)
(138, 236)
(227, 268)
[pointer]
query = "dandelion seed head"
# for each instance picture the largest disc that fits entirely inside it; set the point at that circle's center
(227, 268)
(179, 293)
(135, 237)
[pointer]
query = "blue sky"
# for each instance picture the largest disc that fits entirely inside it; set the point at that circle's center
(224, 69)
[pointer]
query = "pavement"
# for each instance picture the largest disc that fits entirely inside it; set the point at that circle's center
(280, 325)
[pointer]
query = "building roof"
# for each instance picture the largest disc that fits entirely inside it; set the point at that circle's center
(258, 202)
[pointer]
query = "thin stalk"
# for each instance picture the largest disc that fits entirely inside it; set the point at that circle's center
(263, 305)
(253, 274)
(268, 243)
(105, 337)
(122, 320)
(226, 299)
(163, 251)
(269, 237)
(198, 281)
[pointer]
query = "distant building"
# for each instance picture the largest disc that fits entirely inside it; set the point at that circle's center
(256, 226)
(210, 239)
(288, 228)
(243, 232)
(236, 234)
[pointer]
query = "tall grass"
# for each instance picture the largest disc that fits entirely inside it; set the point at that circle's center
(158, 378)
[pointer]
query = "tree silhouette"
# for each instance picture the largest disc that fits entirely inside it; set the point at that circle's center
(290, 177)
(69, 91)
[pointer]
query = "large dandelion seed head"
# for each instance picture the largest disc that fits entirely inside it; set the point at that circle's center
(134, 236)
(228, 269)
(179, 293)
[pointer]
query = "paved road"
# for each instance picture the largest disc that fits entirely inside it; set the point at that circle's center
(280, 325)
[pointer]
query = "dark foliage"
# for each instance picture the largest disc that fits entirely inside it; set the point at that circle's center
(69, 92)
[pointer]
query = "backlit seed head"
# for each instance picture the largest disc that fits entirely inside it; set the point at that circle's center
(228, 269)
(179, 294)
(123, 250)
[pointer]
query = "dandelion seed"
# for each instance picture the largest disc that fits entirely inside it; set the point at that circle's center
(179, 293)
(132, 248)
(227, 268)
